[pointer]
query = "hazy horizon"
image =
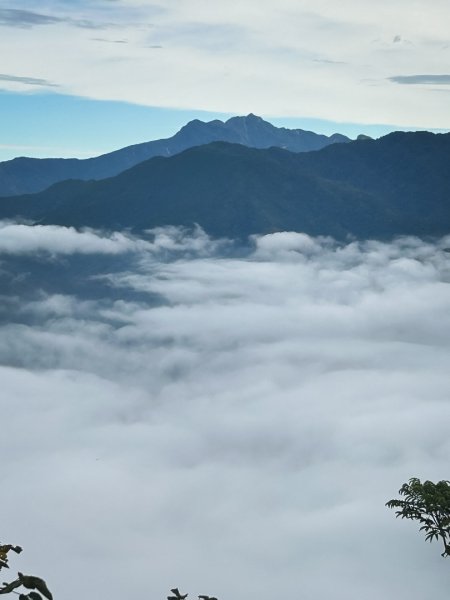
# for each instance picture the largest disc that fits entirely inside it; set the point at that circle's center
(133, 125)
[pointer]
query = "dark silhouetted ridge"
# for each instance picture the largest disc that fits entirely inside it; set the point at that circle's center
(399, 184)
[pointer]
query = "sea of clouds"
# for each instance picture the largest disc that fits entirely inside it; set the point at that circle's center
(182, 411)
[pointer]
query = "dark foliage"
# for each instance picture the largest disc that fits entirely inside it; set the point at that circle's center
(429, 504)
(5, 549)
(29, 582)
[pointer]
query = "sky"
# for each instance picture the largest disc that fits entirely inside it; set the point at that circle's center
(227, 420)
(81, 78)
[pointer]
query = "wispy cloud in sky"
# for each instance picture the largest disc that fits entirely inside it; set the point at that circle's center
(13, 17)
(27, 80)
(110, 41)
(25, 19)
(421, 79)
(228, 420)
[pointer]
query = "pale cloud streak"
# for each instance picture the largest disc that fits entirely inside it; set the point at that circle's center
(421, 79)
(26, 80)
(282, 58)
(12, 17)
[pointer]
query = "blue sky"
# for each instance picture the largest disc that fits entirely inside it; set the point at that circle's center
(82, 78)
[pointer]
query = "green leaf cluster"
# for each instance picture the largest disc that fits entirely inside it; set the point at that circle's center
(4, 551)
(429, 504)
(29, 582)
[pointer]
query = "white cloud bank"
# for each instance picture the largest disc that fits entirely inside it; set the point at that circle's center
(21, 239)
(240, 437)
(343, 61)
(18, 239)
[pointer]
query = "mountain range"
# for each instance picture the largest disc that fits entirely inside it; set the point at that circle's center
(28, 175)
(398, 184)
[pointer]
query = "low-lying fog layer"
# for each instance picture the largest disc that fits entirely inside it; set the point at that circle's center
(178, 411)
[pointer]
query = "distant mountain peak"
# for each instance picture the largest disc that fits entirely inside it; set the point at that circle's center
(253, 117)
(192, 125)
(250, 118)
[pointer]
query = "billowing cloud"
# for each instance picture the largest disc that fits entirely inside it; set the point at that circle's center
(19, 238)
(224, 419)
